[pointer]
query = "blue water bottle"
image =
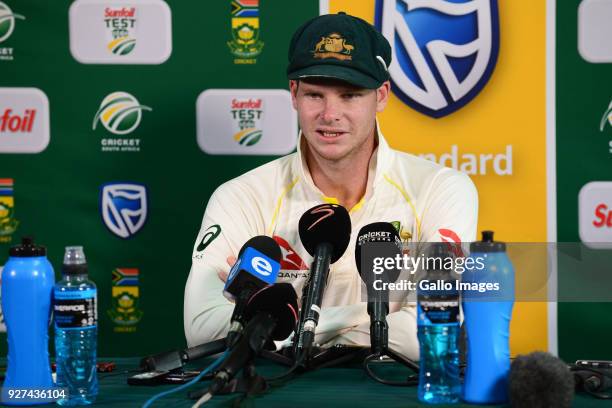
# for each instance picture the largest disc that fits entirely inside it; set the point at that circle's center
(487, 319)
(27, 282)
(438, 330)
(76, 319)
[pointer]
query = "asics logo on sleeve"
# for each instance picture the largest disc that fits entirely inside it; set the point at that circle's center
(209, 236)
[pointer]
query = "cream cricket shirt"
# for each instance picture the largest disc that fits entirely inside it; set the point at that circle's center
(431, 203)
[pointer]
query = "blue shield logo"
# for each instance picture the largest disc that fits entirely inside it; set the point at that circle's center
(444, 51)
(124, 208)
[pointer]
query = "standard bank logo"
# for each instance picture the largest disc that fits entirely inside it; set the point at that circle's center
(120, 32)
(124, 208)
(443, 52)
(120, 113)
(7, 21)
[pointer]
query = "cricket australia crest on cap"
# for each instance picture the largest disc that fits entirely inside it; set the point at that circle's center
(443, 52)
(333, 45)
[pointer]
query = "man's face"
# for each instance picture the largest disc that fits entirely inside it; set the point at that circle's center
(337, 118)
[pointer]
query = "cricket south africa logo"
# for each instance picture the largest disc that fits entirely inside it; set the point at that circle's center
(8, 223)
(7, 21)
(120, 26)
(606, 118)
(120, 113)
(247, 115)
(444, 52)
(245, 44)
(7, 26)
(124, 208)
(125, 312)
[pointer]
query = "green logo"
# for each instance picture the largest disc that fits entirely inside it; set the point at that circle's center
(125, 311)
(248, 137)
(397, 225)
(122, 46)
(245, 43)
(120, 113)
(7, 21)
(8, 224)
(209, 236)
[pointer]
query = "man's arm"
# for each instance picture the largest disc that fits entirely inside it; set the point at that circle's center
(450, 213)
(227, 224)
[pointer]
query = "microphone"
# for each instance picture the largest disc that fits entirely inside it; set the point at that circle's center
(377, 240)
(271, 314)
(325, 232)
(540, 379)
(257, 266)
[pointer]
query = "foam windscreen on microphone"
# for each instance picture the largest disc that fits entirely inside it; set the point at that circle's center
(326, 223)
(280, 300)
(379, 239)
(540, 380)
(265, 245)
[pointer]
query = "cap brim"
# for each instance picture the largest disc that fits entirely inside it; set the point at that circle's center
(345, 74)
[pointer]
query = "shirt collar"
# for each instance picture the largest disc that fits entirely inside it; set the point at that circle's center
(379, 163)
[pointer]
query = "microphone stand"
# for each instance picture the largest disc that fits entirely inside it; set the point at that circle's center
(379, 341)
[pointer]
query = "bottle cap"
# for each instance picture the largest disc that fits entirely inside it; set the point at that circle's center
(487, 244)
(27, 249)
(74, 261)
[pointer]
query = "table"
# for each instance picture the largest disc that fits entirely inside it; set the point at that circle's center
(342, 387)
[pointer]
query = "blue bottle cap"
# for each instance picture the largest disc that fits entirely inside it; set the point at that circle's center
(27, 249)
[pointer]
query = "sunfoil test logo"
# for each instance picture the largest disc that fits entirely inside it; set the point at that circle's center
(120, 26)
(124, 208)
(120, 113)
(247, 115)
(7, 26)
(443, 52)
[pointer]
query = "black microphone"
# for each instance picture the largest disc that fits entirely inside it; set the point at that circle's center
(378, 240)
(325, 232)
(540, 380)
(257, 266)
(271, 314)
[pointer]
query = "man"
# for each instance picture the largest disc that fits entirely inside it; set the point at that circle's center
(338, 82)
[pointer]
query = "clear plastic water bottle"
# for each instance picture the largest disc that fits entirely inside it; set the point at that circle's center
(438, 332)
(76, 318)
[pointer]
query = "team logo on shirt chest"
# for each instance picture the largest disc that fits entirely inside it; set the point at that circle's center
(291, 263)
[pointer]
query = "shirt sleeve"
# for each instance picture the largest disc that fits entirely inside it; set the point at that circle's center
(450, 213)
(226, 226)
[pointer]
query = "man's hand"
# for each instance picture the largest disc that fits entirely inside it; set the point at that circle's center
(231, 260)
